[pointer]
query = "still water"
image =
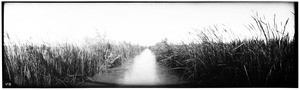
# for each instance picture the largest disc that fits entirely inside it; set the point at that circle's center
(143, 70)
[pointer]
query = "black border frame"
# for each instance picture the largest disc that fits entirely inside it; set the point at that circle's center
(170, 86)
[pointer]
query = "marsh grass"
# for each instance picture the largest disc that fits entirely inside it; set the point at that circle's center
(267, 62)
(62, 65)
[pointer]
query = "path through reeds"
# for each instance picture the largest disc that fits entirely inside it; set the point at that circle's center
(143, 70)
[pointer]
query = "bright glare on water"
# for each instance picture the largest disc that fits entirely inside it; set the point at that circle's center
(143, 71)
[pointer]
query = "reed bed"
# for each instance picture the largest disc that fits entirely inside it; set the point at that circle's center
(270, 61)
(62, 65)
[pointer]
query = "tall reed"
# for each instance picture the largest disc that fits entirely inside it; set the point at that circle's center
(62, 65)
(258, 62)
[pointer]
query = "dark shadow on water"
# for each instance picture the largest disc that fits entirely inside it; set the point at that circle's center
(97, 84)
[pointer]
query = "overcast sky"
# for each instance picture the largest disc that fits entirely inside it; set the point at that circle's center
(141, 23)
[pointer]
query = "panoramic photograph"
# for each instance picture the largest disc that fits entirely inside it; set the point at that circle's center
(172, 44)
